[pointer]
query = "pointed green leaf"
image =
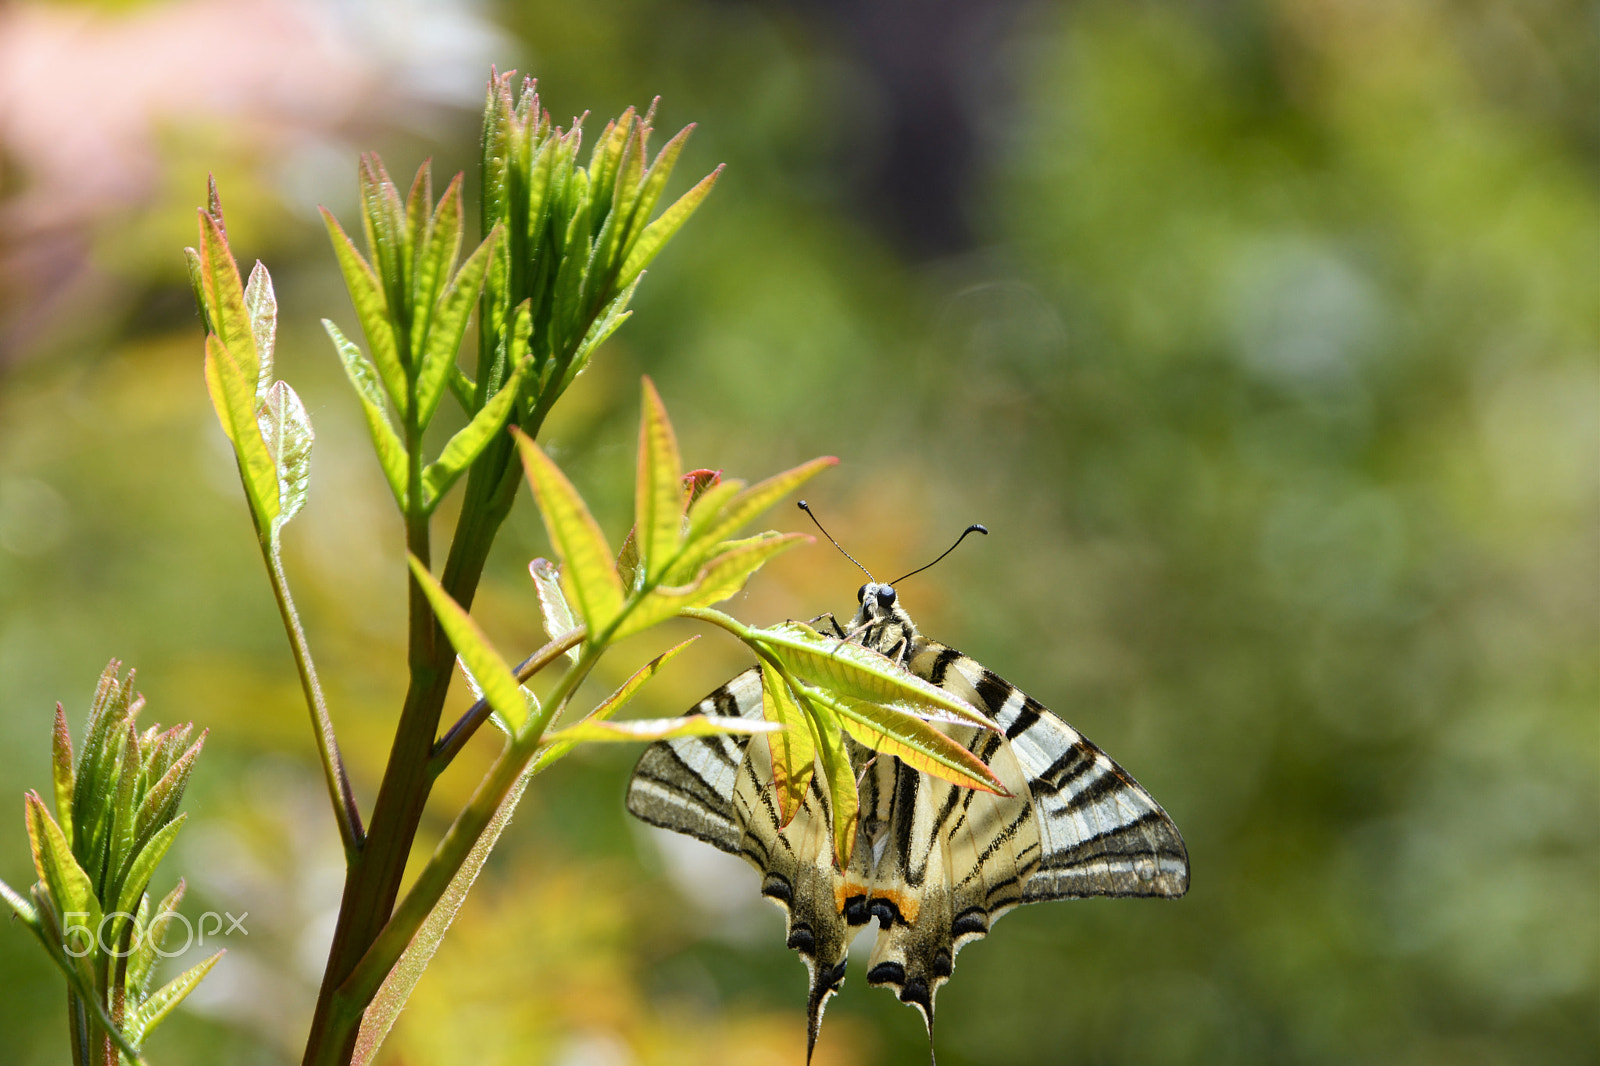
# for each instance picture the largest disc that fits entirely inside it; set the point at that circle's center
(422, 269)
(500, 685)
(558, 617)
(261, 304)
(463, 388)
(708, 529)
(640, 729)
(529, 699)
(915, 742)
(124, 816)
(840, 777)
(656, 235)
(397, 985)
(372, 309)
(436, 259)
(143, 865)
(61, 772)
(658, 487)
(469, 442)
(160, 804)
(721, 578)
(286, 430)
(555, 746)
(848, 669)
(794, 751)
(69, 886)
(153, 1011)
(449, 323)
(385, 442)
(587, 573)
(141, 964)
(655, 182)
(604, 325)
(225, 308)
(233, 395)
(384, 218)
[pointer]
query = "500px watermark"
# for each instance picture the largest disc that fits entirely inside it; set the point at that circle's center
(89, 939)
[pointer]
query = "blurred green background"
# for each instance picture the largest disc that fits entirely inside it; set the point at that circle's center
(1262, 335)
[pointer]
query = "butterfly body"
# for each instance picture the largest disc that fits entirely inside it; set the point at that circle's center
(936, 864)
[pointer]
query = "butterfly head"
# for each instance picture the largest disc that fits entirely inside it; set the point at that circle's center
(883, 624)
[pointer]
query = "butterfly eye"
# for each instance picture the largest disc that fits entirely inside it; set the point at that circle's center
(861, 594)
(885, 595)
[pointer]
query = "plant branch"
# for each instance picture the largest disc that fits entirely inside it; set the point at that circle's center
(352, 996)
(450, 745)
(345, 810)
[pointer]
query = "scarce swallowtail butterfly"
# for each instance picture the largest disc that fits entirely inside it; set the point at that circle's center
(934, 863)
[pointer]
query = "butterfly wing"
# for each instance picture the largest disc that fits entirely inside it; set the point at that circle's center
(719, 789)
(1100, 832)
(935, 864)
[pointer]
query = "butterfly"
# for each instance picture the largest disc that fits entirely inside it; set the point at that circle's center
(934, 863)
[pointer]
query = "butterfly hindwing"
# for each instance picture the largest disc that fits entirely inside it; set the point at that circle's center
(719, 789)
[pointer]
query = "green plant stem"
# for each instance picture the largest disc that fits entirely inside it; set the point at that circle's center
(340, 795)
(373, 882)
(364, 981)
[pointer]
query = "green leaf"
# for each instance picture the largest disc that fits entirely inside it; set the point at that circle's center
(840, 776)
(160, 804)
(261, 304)
(656, 235)
(529, 700)
(794, 751)
(224, 303)
(500, 685)
(604, 325)
(469, 442)
(638, 729)
(383, 216)
(233, 395)
(655, 182)
(398, 983)
(915, 742)
(143, 865)
(372, 309)
(61, 772)
(554, 747)
(848, 669)
(69, 886)
(124, 816)
(141, 964)
(721, 578)
(385, 442)
(19, 906)
(153, 1011)
(709, 528)
(286, 431)
(429, 253)
(658, 488)
(449, 323)
(558, 617)
(587, 573)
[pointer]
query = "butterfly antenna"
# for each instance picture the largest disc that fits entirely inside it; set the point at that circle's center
(807, 509)
(974, 528)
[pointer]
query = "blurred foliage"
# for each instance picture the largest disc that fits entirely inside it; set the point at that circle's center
(1272, 370)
